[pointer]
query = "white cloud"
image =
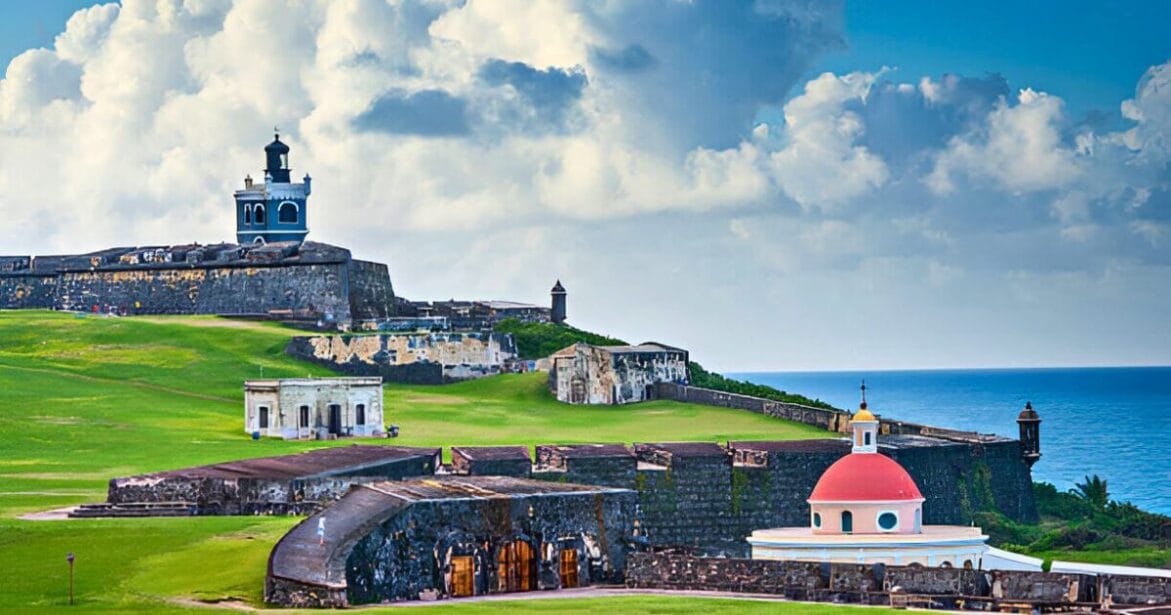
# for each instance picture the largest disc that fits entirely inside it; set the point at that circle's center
(821, 163)
(1019, 148)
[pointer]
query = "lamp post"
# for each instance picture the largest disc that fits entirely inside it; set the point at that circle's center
(69, 558)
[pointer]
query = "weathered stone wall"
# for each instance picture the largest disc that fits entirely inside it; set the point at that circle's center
(370, 290)
(866, 584)
(27, 291)
(409, 554)
(290, 593)
(830, 420)
(711, 501)
(959, 479)
(311, 279)
(244, 496)
(318, 288)
(432, 358)
(596, 375)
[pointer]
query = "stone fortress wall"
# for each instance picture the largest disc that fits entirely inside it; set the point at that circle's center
(700, 495)
(420, 358)
(311, 280)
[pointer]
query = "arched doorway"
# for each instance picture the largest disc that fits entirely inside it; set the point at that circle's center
(516, 567)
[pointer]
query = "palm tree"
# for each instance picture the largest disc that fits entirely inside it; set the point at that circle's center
(1093, 490)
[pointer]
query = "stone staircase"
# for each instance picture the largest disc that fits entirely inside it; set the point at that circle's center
(134, 509)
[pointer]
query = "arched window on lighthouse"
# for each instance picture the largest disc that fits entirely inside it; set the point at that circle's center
(258, 214)
(247, 214)
(287, 214)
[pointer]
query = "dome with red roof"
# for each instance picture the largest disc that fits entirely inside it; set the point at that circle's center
(865, 477)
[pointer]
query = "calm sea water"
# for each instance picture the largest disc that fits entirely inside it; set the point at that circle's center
(1114, 422)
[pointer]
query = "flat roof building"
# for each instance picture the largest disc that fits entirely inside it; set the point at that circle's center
(322, 408)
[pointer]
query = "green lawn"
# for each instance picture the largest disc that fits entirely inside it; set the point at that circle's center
(83, 400)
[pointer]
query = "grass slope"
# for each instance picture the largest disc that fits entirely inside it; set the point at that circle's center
(86, 399)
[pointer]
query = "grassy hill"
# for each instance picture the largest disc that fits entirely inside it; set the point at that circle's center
(85, 399)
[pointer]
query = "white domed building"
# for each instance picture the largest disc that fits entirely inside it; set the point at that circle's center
(867, 509)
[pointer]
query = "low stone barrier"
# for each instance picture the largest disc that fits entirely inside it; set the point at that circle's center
(876, 584)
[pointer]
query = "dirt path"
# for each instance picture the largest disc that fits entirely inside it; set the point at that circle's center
(57, 514)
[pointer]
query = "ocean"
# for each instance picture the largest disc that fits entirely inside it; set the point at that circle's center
(1113, 422)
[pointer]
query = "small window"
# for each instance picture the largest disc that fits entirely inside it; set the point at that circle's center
(866, 438)
(287, 214)
(816, 519)
(304, 416)
(888, 521)
(847, 521)
(258, 214)
(247, 214)
(263, 417)
(361, 411)
(284, 161)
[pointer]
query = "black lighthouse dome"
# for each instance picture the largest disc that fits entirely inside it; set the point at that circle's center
(276, 156)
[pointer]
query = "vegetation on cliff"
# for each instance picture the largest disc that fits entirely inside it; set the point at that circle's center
(1084, 524)
(535, 340)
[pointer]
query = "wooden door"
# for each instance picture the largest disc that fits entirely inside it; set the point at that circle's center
(569, 568)
(515, 566)
(335, 419)
(463, 572)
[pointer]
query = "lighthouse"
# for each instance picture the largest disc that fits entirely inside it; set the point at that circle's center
(275, 209)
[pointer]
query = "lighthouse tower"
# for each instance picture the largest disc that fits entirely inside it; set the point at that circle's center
(275, 209)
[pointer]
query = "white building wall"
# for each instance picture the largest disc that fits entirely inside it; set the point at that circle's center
(303, 407)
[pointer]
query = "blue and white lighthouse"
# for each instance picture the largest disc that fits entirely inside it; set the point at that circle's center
(276, 210)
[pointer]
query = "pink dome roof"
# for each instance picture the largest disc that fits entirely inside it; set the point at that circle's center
(863, 477)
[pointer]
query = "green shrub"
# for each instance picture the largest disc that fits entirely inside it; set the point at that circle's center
(541, 339)
(700, 377)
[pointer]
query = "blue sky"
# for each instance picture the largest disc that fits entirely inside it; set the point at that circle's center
(738, 177)
(1091, 53)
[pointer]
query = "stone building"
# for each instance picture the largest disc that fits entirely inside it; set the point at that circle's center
(322, 408)
(288, 484)
(452, 536)
(588, 374)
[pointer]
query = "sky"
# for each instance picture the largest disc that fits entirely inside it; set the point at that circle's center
(772, 184)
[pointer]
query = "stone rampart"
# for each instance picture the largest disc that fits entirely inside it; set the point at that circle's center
(830, 420)
(879, 584)
(313, 279)
(709, 498)
(24, 291)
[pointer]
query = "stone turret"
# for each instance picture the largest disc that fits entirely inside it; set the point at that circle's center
(557, 313)
(1030, 429)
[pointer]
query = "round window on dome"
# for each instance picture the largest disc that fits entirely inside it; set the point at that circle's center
(816, 519)
(888, 521)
